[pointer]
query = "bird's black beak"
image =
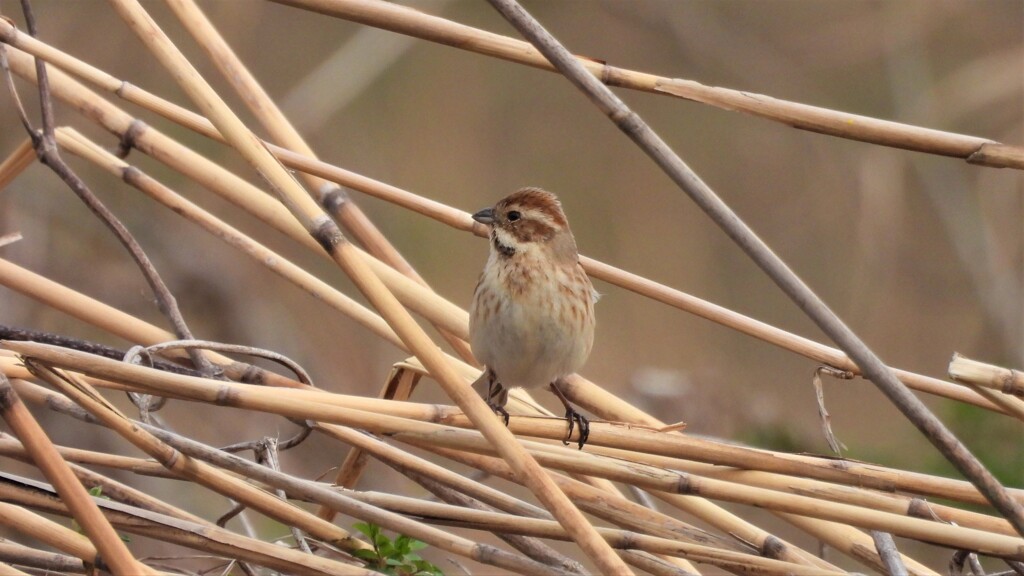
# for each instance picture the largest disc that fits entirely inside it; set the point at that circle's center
(485, 216)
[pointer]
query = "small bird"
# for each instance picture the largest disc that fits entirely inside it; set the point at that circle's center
(532, 318)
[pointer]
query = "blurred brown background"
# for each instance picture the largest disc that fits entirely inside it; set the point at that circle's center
(921, 255)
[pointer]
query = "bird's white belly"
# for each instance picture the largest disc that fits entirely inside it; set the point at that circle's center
(536, 345)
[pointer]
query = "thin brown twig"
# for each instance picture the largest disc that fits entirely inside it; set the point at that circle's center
(45, 143)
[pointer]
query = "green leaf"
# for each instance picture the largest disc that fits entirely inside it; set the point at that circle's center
(387, 549)
(368, 555)
(381, 540)
(369, 530)
(416, 545)
(412, 558)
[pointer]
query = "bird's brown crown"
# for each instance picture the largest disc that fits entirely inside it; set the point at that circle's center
(531, 215)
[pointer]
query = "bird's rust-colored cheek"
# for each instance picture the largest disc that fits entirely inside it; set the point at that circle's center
(532, 231)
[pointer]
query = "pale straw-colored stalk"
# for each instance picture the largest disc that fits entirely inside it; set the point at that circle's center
(109, 546)
(397, 18)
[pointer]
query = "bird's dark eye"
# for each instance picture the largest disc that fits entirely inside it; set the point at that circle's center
(513, 216)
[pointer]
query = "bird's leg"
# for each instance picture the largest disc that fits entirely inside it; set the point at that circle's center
(572, 416)
(497, 396)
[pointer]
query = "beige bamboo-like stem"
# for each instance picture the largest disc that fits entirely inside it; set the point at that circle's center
(609, 487)
(404, 461)
(77, 144)
(1005, 380)
(436, 309)
(856, 496)
(637, 516)
(16, 163)
(852, 542)
(12, 448)
(439, 539)
(350, 410)
(584, 463)
(204, 537)
(497, 522)
(86, 397)
(47, 531)
(18, 555)
(581, 392)
(25, 556)
(111, 488)
(116, 322)
(657, 480)
(628, 514)
(320, 227)
(412, 22)
(111, 548)
(328, 194)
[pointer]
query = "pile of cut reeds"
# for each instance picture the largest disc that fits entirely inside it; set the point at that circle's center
(642, 495)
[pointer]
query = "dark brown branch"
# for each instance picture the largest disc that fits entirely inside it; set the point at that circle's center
(22, 334)
(871, 366)
(46, 149)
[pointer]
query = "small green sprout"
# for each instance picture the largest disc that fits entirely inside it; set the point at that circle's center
(394, 557)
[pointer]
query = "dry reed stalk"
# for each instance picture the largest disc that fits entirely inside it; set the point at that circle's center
(610, 487)
(388, 417)
(399, 386)
(997, 378)
(85, 396)
(329, 236)
(531, 546)
(111, 488)
(658, 480)
(496, 522)
(405, 462)
(767, 544)
(204, 537)
(32, 558)
(634, 516)
(852, 542)
(236, 190)
(312, 491)
(857, 496)
(335, 201)
(583, 393)
(8, 570)
(181, 387)
(16, 163)
(47, 531)
(77, 144)
(62, 404)
(412, 22)
(113, 551)
(119, 323)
